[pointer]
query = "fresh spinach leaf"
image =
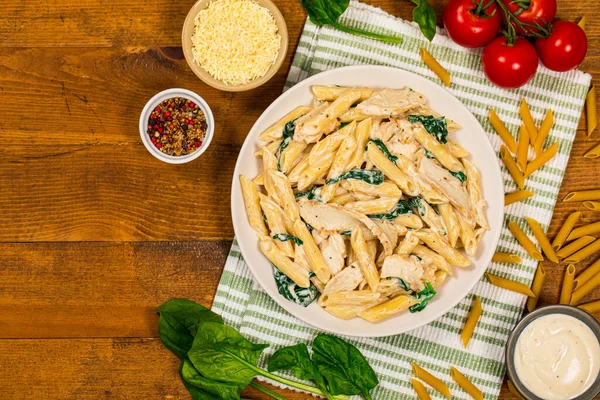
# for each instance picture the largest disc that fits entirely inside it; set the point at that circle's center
(220, 353)
(371, 176)
(344, 367)
(292, 292)
(401, 208)
(222, 390)
(178, 324)
(284, 237)
(288, 134)
(459, 175)
(437, 127)
(424, 16)
(327, 12)
(425, 296)
(384, 150)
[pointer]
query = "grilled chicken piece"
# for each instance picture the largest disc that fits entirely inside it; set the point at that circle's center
(334, 252)
(347, 279)
(388, 103)
(403, 142)
(407, 268)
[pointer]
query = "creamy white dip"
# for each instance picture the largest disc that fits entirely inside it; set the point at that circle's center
(557, 357)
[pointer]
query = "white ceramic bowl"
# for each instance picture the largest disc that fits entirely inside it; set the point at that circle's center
(155, 101)
(472, 137)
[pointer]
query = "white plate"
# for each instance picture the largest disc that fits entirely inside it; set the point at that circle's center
(472, 137)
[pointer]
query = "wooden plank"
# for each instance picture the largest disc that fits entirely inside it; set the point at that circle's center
(65, 290)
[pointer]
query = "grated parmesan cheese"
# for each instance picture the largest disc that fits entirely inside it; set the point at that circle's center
(235, 41)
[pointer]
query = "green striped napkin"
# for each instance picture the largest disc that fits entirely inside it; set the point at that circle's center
(436, 346)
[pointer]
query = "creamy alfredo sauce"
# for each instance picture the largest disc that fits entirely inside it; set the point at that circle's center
(557, 357)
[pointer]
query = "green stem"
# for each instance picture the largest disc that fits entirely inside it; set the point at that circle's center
(266, 391)
(365, 34)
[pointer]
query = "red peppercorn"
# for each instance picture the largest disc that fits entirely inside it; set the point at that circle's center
(157, 109)
(171, 105)
(192, 123)
(149, 126)
(155, 127)
(197, 143)
(167, 114)
(192, 104)
(153, 139)
(159, 145)
(160, 130)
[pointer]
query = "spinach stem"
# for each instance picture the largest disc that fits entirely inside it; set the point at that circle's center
(370, 35)
(266, 391)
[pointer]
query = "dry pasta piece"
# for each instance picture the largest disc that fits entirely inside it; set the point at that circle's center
(567, 286)
(584, 253)
(513, 390)
(524, 241)
(512, 167)
(542, 159)
(582, 195)
(581, 291)
(435, 66)
(575, 246)
(592, 205)
(509, 285)
(528, 120)
(506, 258)
(523, 148)
(431, 380)
(539, 234)
(420, 389)
(543, 132)
(471, 321)
(536, 287)
(586, 275)
(593, 153)
(585, 230)
(590, 307)
(590, 108)
(581, 23)
(565, 230)
(503, 132)
(466, 384)
(514, 197)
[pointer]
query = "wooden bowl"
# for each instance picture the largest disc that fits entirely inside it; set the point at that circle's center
(186, 41)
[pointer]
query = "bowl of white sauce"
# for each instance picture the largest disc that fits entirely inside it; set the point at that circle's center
(554, 354)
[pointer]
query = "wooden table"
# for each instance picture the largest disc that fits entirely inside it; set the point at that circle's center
(96, 232)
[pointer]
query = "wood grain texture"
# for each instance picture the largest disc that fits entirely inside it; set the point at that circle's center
(94, 232)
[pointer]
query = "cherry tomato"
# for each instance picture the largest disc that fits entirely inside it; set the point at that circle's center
(472, 23)
(565, 48)
(509, 66)
(531, 12)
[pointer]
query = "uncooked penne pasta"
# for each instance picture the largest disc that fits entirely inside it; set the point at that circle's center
(471, 321)
(451, 222)
(528, 120)
(592, 205)
(500, 128)
(574, 246)
(590, 107)
(509, 285)
(585, 230)
(284, 264)
(431, 380)
(587, 274)
(591, 307)
(365, 262)
(513, 390)
(512, 167)
(420, 389)
(435, 66)
(567, 286)
(582, 195)
(510, 198)
(275, 131)
(331, 93)
(466, 384)
(543, 132)
(565, 230)
(388, 308)
(311, 250)
(439, 245)
(542, 159)
(506, 258)
(524, 241)
(584, 253)
(543, 241)
(252, 203)
(581, 23)
(582, 290)
(523, 148)
(536, 287)
(593, 153)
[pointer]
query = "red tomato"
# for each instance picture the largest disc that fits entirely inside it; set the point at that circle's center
(540, 12)
(565, 48)
(509, 66)
(472, 23)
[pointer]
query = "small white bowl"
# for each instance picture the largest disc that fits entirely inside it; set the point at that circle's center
(155, 101)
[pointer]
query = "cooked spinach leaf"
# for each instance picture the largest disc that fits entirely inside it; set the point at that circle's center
(292, 292)
(429, 155)
(435, 126)
(284, 237)
(344, 367)
(288, 134)
(346, 233)
(425, 296)
(371, 176)
(384, 150)
(401, 208)
(419, 204)
(459, 175)
(310, 195)
(424, 16)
